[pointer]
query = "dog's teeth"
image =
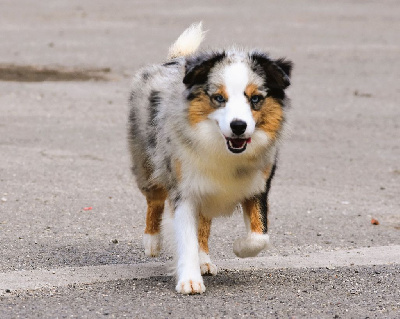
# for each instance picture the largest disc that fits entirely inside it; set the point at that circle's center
(232, 146)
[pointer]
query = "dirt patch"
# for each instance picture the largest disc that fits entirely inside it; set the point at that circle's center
(29, 73)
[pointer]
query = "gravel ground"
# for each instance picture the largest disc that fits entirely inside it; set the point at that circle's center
(354, 292)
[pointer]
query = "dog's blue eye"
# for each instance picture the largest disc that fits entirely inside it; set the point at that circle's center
(219, 98)
(255, 99)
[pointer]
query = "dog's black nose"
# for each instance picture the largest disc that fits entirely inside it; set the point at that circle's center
(238, 127)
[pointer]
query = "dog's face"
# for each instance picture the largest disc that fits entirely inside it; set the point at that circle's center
(243, 94)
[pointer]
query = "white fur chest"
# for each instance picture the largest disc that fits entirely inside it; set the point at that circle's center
(219, 187)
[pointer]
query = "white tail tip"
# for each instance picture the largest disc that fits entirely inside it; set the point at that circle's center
(188, 42)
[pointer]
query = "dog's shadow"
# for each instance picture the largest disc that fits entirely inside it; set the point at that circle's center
(225, 280)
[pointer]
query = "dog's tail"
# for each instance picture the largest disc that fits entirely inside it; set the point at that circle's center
(188, 42)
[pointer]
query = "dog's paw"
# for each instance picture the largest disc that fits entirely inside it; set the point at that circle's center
(206, 266)
(190, 287)
(208, 269)
(152, 245)
(251, 245)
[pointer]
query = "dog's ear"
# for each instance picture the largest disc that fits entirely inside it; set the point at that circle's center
(276, 73)
(198, 67)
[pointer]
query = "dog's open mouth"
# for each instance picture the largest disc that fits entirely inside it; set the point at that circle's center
(237, 145)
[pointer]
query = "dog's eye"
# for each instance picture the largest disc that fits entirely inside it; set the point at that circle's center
(255, 99)
(219, 98)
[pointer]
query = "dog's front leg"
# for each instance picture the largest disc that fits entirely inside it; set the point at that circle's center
(255, 212)
(188, 270)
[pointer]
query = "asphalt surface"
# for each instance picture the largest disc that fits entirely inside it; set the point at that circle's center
(65, 70)
(353, 293)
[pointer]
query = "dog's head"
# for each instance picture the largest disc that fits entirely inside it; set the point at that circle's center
(242, 93)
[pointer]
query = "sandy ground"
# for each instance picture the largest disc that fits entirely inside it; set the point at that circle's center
(65, 69)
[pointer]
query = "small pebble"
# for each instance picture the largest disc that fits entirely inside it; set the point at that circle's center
(374, 221)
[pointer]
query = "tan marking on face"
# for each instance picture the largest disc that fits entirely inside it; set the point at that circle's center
(155, 197)
(270, 117)
(222, 90)
(252, 209)
(199, 109)
(202, 106)
(204, 229)
(251, 90)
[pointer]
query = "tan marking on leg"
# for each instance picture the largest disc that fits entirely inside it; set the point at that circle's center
(155, 197)
(252, 209)
(270, 117)
(204, 229)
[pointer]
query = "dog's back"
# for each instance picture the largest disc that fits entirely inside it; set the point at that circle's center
(154, 88)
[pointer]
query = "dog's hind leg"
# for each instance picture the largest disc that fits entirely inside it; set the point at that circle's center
(206, 266)
(155, 197)
(255, 213)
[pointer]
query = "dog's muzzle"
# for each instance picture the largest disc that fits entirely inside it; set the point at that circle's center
(237, 144)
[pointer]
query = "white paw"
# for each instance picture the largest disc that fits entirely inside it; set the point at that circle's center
(251, 245)
(190, 286)
(152, 245)
(206, 266)
(208, 269)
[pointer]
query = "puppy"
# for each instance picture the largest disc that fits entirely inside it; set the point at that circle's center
(204, 129)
